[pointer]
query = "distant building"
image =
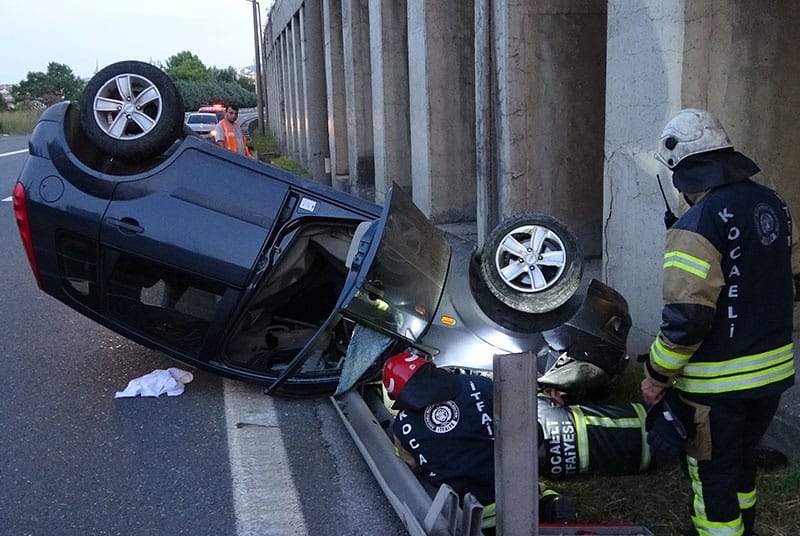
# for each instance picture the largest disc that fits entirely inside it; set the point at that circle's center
(248, 72)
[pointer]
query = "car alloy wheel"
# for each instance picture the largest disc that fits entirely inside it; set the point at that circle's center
(131, 110)
(532, 263)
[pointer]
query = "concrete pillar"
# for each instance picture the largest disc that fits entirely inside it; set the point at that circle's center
(298, 99)
(335, 96)
(270, 79)
(389, 45)
(546, 102)
(644, 71)
(288, 146)
(486, 133)
(314, 91)
(358, 94)
(442, 108)
(277, 120)
(739, 62)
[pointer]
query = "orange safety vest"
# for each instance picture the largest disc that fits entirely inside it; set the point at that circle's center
(231, 142)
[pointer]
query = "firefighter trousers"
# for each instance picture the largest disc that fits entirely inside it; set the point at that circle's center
(724, 484)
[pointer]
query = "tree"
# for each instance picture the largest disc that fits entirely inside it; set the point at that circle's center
(57, 84)
(186, 66)
(228, 74)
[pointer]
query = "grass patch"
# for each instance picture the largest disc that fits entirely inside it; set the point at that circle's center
(289, 165)
(268, 151)
(18, 122)
(265, 145)
(659, 498)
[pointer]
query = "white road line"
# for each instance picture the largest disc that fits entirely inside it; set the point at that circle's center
(13, 153)
(9, 198)
(264, 495)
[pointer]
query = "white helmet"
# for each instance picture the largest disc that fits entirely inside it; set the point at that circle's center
(690, 132)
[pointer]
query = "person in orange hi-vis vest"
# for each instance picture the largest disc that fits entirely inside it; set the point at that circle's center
(229, 134)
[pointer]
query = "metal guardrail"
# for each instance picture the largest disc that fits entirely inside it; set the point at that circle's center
(421, 514)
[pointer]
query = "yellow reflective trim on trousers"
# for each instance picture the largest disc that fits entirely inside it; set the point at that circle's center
(702, 524)
(665, 358)
(698, 505)
(704, 527)
(583, 442)
(747, 500)
(738, 382)
(489, 519)
(608, 422)
(739, 365)
(686, 262)
(645, 457)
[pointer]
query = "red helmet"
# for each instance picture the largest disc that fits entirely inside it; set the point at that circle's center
(398, 369)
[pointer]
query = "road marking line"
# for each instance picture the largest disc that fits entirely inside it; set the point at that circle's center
(13, 153)
(265, 498)
(9, 198)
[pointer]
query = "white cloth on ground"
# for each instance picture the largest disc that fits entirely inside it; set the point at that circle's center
(158, 382)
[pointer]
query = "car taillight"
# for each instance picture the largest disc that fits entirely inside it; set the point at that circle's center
(21, 212)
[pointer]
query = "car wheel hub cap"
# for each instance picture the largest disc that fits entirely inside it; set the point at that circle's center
(127, 107)
(530, 258)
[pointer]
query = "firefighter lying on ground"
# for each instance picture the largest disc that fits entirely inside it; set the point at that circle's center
(445, 428)
(445, 424)
(602, 439)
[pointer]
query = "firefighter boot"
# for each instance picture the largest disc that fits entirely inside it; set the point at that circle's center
(555, 508)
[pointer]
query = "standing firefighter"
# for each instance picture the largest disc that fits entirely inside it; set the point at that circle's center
(726, 335)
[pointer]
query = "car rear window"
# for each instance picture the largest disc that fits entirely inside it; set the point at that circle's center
(205, 118)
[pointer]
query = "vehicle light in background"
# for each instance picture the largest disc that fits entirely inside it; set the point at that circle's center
(448, 320)
(21, 213)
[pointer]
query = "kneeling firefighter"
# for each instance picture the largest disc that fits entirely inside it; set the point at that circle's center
(445, 426)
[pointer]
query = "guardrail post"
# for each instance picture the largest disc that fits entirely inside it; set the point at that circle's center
(515, 452)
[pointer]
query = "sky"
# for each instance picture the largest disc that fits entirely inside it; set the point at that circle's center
(87, 35)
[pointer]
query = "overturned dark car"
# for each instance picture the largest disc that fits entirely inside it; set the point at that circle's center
(238, 267)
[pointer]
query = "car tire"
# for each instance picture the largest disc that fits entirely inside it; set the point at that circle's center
(132, 110)
(532, 263)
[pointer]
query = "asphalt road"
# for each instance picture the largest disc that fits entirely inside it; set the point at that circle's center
(220, 459)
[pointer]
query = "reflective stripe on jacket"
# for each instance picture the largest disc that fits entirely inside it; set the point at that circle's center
(728, 295)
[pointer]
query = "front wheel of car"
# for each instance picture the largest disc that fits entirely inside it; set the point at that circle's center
(131, 110)
(532, 263)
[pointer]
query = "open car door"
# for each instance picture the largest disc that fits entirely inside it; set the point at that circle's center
(397, 266)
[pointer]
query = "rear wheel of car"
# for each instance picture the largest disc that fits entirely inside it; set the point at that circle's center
(532, 263)
(131, 110)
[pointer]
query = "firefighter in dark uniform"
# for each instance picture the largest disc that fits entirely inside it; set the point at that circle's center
(725, 341)
(601, 439)
(445, 424)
